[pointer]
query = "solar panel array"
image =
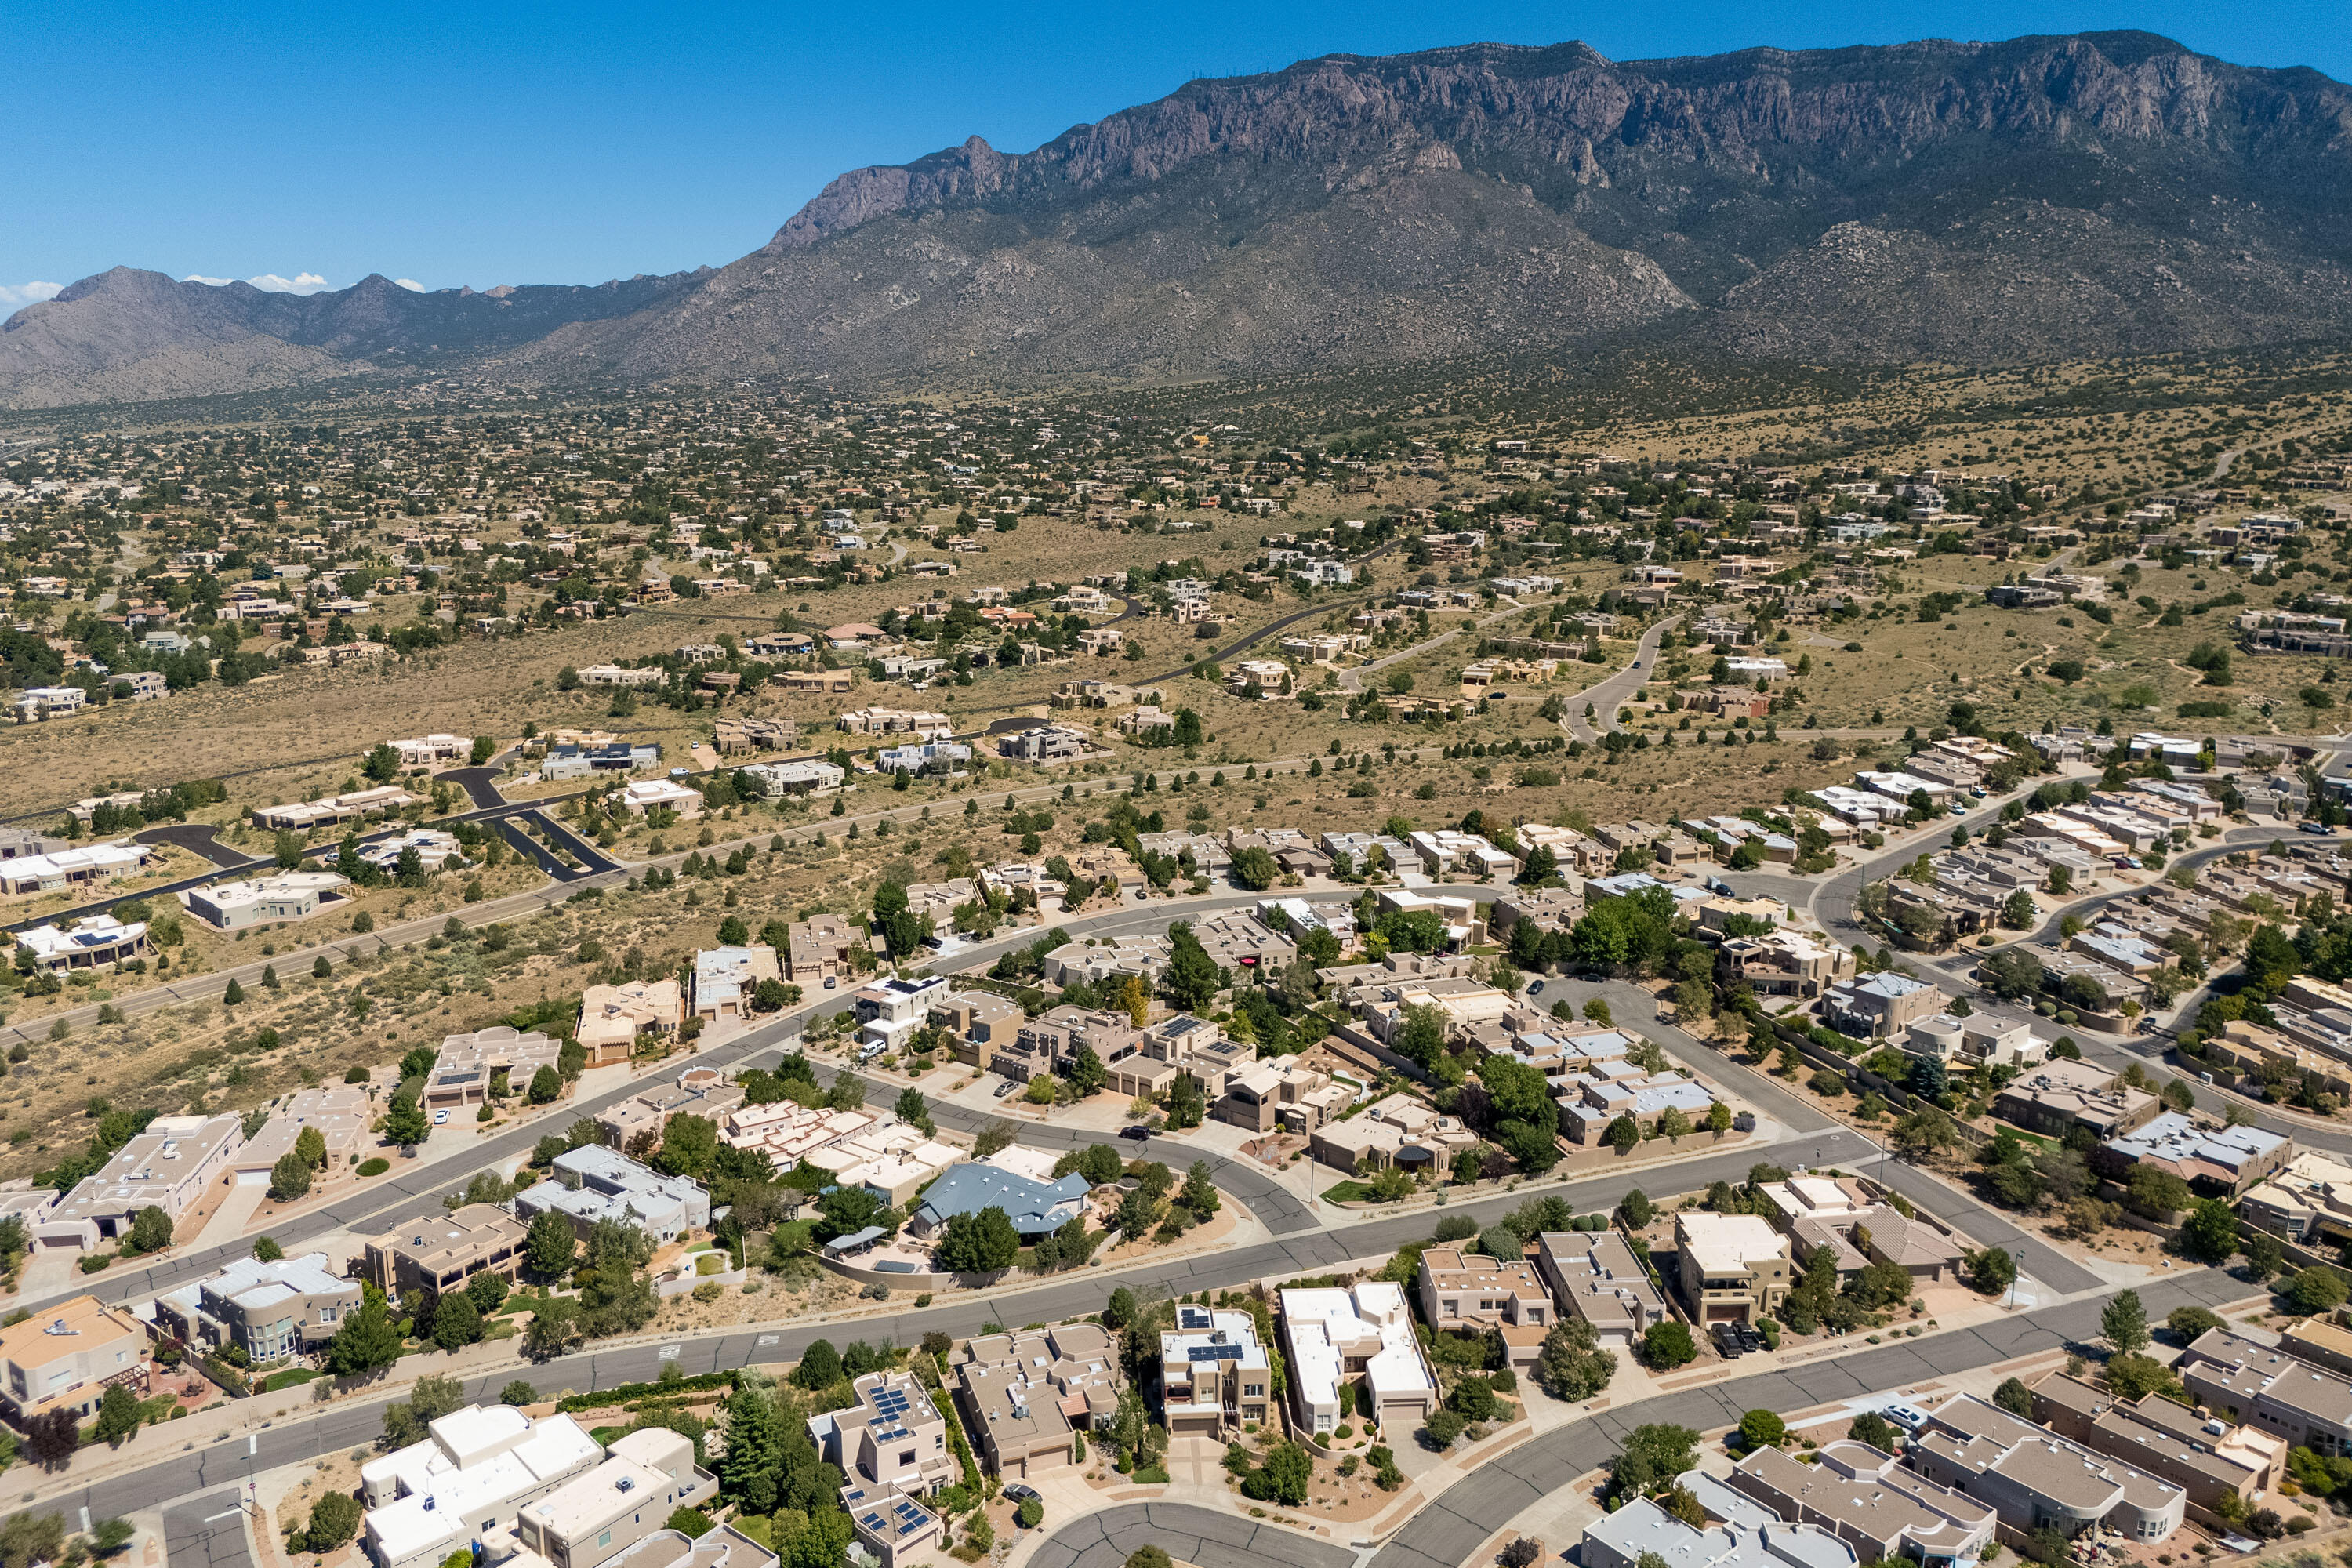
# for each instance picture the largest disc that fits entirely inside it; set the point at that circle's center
(890, 1401)
(1211, 1353)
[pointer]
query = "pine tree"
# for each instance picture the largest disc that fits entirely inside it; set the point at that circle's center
(231, 994)
(2123, 1323)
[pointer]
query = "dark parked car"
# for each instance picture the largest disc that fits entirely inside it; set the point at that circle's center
(1136, 1132)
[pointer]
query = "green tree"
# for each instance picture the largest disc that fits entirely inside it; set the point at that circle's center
(456, 1321)
(1668, 1344)
(2189, 1322)
(1191, 979)
(1287, 1472)
(1990, 1271)
(555, 1326)
(118, 1415)
(1253, 870)
(1421, 1034)
(981, 1243)
(151, 1231)
(2123, 1323)
(548, 1246)
(290, 1177)
(1762, 1429)
(2013, 1397)
(689, 1144)
(405, 1124)
(334, 1519)
(1571, 1364)
(819, 1366)
(1875, 1429)
(546, 1084)
(2315, 1291)
(2209, 1234)
(366, 1343)
(1651, 1458)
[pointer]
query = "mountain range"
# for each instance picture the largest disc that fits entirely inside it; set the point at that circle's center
(1972, 203)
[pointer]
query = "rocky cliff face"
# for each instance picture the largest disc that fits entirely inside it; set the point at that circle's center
(2107, 193)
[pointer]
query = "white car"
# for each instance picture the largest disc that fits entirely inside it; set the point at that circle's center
(440, 1118)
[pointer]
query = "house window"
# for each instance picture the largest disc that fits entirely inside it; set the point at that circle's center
(907, 1457)
(605, 1538)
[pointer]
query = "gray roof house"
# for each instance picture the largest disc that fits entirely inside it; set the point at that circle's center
(592, 1182)
(1033, 1207)
(268, 1309)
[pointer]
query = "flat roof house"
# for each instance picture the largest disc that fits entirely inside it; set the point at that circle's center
(67, 1356)
(82, 867)
(1363, 1334)
(1472, 1293)
(592, 1519)
(477, 1468)
(467, 1064)
(2061, 1094)
(240, 906)
(1024, 1394)
(2168, 1440)
(170, 1166)
(892, 1445)
(891, 1010)
(437, 1251)
(613, 1016)
(726, 977)
(288, 1306)
(1867, 1499)
(2034, 1478)
(1875, 1006)
(2269, 1389)
(1595, 1276)
(819, 950)
(1734, 1267)
(95, 942)
(1214, 1372)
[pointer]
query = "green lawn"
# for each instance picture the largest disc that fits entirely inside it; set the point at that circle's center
(290, 1378)
(1348, 1192)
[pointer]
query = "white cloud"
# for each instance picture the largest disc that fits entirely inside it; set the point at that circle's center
(15, 297)
(410, 284)
(270, 282)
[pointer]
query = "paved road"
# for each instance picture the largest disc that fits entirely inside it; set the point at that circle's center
(400, 1193)
(1455, 1527)
(1611, 691)
(199, 838)
(354, 1422)
(480, 784)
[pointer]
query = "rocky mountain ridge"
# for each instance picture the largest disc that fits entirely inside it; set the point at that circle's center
(2035, 198)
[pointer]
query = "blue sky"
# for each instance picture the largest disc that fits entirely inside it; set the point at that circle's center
(572, 143)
